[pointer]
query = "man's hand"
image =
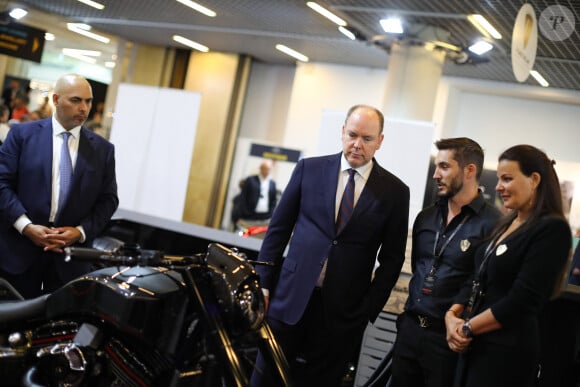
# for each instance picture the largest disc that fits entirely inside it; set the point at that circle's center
(61, 237)
(455, 339)
(38, 234)
(51, 238)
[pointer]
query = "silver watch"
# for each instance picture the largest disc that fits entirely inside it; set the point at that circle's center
(466, 329)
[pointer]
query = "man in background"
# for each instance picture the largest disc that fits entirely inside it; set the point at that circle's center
(445, 236)
(341, 213)
(57, 188)
(258, 196)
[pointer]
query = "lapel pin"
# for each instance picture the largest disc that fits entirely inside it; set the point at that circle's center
(501, 249)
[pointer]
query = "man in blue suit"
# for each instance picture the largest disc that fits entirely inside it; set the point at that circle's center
(323, 294)
(35, 224)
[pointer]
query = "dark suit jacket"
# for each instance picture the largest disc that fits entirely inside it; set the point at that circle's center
(519, 280)
(307, 213)
(26, 183)
(251, 194)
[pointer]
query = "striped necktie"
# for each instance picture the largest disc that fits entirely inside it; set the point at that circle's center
(347, 202)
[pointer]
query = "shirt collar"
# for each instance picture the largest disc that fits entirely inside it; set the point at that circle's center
(363, 170)
(57, 128)
(476, 205)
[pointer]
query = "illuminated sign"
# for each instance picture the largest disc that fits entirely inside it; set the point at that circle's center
(21, 41)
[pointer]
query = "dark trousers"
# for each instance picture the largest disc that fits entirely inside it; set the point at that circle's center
(318, 354)
(49, 273)
(421, 356)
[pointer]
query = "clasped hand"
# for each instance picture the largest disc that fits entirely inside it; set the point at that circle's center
(52, 238)
(455, 338)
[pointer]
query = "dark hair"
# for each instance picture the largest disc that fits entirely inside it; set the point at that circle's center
(548, 195)
(377, 111)
(465, 151)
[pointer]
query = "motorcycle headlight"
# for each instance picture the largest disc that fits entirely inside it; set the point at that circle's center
(250, 301)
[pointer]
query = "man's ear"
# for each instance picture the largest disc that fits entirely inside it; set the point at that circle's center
(471, 170)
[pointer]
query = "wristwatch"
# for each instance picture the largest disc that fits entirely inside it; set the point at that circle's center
(466, 329)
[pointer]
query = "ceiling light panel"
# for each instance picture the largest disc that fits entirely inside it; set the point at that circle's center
(326, 13)
(190, 43)
(81, 29)
(93, 4)
(293, 53)
(198, 7)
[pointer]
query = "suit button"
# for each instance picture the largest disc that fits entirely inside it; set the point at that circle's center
(335, 242)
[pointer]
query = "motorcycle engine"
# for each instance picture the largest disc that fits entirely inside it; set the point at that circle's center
(64, 353)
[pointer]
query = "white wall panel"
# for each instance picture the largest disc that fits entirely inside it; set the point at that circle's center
(154, 132)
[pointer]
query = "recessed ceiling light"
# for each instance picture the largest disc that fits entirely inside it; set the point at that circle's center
(538, 77)
(81, 52)
(199, 8)
(18, 13)
(190, 43)
(83, 29)
(480, 47)
(49, 36)
(93, 4)
(483, 26)
(326, 13)
(346, 32)
(295, 54)
(110, 64)
(84, 58)
(392, 25)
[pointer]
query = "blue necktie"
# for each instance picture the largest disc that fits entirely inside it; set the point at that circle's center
(66, 171)
(347, 202)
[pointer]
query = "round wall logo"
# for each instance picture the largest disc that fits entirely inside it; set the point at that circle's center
(557, 22)
(524, 42)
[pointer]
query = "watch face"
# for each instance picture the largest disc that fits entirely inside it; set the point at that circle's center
(466, 329)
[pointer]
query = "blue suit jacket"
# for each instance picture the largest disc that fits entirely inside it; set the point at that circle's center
(26, 184)
(306, 217)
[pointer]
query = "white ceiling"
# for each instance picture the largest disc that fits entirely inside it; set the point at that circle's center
(254, 27)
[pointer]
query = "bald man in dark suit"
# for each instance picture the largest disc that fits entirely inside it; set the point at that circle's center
(37, 220)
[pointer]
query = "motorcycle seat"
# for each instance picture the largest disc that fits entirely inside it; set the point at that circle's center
(14, 311)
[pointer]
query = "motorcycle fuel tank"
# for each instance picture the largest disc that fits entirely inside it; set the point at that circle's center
(147, 302)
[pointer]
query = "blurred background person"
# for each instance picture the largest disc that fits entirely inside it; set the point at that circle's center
(45, 110)
(574, 278)
(516, 273)
(20, 106)
(9, 93)
(258, 197)
(4, 126)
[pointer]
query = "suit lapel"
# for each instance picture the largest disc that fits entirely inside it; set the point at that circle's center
(372, 190)
(330, 180)
(85, 153)
(45, 153)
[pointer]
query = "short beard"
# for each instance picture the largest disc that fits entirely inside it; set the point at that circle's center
(453, 189)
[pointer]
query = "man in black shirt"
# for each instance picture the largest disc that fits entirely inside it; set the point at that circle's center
(445, 236)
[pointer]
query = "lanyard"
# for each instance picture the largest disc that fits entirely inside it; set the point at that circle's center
(437, 255)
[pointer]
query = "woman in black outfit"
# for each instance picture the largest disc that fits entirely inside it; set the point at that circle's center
(516, 273)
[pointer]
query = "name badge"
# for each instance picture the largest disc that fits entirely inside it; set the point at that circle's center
(464, 245)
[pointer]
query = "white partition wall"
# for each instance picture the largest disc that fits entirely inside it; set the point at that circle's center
(154, 132)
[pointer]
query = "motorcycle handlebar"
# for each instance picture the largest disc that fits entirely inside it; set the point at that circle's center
(144, 257)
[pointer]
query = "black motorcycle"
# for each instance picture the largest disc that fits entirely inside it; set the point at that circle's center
(142, 319)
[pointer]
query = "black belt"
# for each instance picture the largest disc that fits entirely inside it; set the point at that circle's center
(427, 322)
